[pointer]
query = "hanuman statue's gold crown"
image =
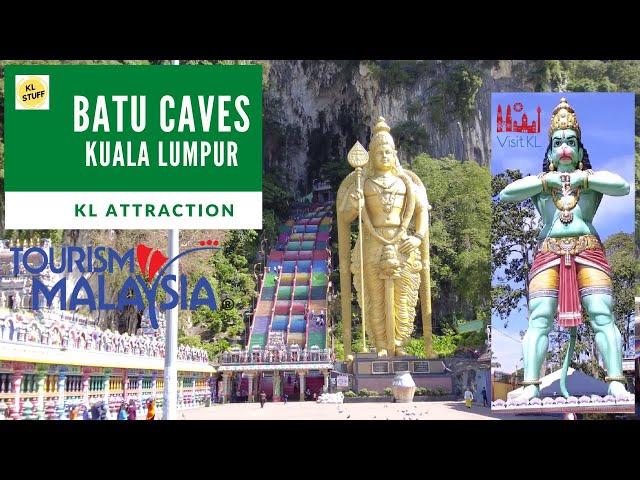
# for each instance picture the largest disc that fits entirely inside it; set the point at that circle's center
(563, 118)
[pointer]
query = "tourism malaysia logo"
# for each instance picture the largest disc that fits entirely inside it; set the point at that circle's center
(136, 290)
(515, 128)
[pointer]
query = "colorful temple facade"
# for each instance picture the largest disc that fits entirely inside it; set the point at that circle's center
(287, 352)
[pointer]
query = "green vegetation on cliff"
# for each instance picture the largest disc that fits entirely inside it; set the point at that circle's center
(228, 271)
(459, 193)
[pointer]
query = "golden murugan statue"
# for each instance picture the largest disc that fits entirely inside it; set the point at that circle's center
(392, 209)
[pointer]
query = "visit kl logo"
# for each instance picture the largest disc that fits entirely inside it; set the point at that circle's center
(136, 290)
(516, 121)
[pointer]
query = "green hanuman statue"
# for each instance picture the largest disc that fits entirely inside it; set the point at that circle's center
(570, 272)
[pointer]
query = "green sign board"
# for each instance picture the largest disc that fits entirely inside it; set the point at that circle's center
(90, 146)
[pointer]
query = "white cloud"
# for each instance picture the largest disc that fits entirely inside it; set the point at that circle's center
(527, 164)
(606, 135)
(615, 214)
(623, 165)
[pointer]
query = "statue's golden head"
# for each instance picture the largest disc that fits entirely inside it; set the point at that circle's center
(382, 150)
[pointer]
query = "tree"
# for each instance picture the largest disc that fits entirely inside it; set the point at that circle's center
(228, 272)
(275, 195)
(620, 249)
(637, 223)
(54, 235)
(459, 235)
(276, 199)
(410, 136)
(514, 231)
(335, 171)
(449, 343)
(461, 89)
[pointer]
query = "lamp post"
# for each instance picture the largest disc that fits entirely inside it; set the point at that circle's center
(169, 404)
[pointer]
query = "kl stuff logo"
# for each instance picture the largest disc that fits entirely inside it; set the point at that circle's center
(510, 126)
(32, 92)
(100, 260)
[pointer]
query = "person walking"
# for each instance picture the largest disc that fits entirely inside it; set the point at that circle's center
(104, 411)
(263, 399)
(485, 403)
(122, 413)
(73, 414)
(95, 411)
(468, 398)
(151, 409)
(132, 410)
(285, 397)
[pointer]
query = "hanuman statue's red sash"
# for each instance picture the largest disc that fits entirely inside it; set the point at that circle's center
(569, 307)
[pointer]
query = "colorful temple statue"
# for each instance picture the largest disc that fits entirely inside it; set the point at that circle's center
(570, 274)
(390, 260)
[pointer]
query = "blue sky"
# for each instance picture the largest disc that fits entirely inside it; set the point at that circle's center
(607, 124)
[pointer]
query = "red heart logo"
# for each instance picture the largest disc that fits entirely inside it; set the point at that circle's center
(142, 253)
(157, 260)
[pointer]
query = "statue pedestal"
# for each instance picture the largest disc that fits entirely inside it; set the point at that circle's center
(587, 395)
(378, 373)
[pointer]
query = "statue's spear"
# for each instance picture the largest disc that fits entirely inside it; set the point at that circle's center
(358, 158)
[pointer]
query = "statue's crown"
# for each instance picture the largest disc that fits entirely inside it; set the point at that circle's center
(563, 118)
(381, 133)
(381, 126)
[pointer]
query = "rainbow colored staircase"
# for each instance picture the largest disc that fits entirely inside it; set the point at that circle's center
(292, 305)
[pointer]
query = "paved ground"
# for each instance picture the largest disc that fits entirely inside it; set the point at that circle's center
(348, 411)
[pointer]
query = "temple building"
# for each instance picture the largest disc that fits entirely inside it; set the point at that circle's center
(52, 360)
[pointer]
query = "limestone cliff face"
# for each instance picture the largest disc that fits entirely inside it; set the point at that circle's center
(315, 110)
